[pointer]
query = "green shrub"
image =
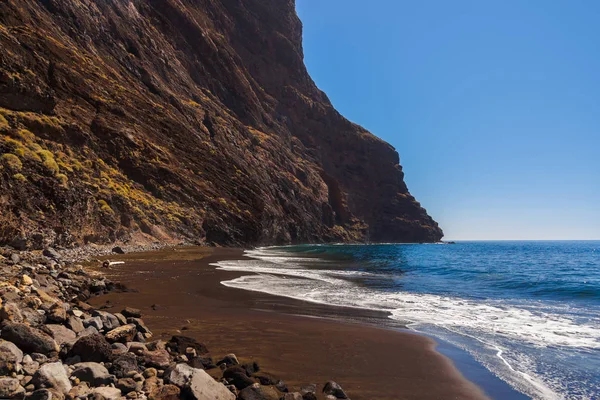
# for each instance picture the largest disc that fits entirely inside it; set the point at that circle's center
(104, 207)
(12, 161)
(48, 161)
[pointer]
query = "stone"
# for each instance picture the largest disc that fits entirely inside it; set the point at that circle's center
(75, 324)
(122, 319)
(151, 383)
(139, 324)
(237, 376)
(10, 357)
(29, 365)
(165, 392)
(203, 387)
(107, 393)
(57, 314)
(28, 339)
(94, 322)
(93, 373)
(11, 312)
(26, 280)
(180, 375)
(119, 348)
(109, 321)
(124, 364)
(61, 334)
(90, 330)
(148, 372)
(136, 347)
(40, 358)
(81, 390)
(92, 348)
(129, 312)
(157, 358)
(51, 253)
(180, 344)
(309, 396)
(118, 250)
(202, 363)
(281, 386)
(127, 385)
(229, 360)
(10, 388)
(53, 375)
(122, 334)
(258, 392)
(312, 388)
(292, 396)
(332, 388)
(41, 394)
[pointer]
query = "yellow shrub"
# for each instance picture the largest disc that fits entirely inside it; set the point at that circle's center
(104, 207)
(12, 161)
(63, 179)
(19, 177)
(26, 135)
(4, 125)
(48, 161)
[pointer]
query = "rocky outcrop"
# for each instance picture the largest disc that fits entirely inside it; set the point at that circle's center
(168, 120)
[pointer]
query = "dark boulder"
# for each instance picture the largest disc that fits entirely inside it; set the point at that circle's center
(334, 389)
(179, 344)
(129, 312)
(237, 376)
(93, 348)
(28, 339)
(257, 392)
(123, 364)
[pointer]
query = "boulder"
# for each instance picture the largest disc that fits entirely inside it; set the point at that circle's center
(332, 388)
(51, 253)
(292, 396)
(94, 322)
(180, 375)
(29, 365)
(139, 324)
(109, 321)
(165, 392)
(81, 390)
(10, 357)
(202, 363)
(61, 334)
(52, 375)
(11, 312)
(229, 360)
(151, 383)
(258, 392)
(107, 393)
(123, 364)
(28, 339)
(122, 334)
(203, 387)
(237, 376)
(42, 394)
(75, 324)
(93, 373)
(92, 348)
(118, 250)
(57, 314)
(10, 388)
(127, 385)
(157, 358)
(180, 344)
(129, 312)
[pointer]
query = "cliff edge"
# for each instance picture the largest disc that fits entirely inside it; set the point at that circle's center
(182, 119)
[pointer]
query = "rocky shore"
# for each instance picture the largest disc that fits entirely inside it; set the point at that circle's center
(54, 345)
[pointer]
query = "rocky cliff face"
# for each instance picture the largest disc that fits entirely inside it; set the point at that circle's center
(196, 119)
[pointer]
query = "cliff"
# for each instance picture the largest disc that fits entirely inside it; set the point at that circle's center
(172, 119)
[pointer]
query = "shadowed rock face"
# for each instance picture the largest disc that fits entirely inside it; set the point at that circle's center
(188, 119)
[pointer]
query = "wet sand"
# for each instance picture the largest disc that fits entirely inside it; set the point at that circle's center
(296, 341)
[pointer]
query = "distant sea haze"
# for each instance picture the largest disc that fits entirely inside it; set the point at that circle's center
(527, 311)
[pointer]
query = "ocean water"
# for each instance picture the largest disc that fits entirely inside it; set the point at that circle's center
(529, 312)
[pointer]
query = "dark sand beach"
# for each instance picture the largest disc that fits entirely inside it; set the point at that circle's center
(298, 342)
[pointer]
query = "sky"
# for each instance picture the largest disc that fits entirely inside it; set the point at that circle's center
(494, 106)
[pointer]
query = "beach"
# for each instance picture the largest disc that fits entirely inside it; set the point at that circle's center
(301, 343)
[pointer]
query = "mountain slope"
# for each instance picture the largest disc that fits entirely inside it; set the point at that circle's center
(187, 119)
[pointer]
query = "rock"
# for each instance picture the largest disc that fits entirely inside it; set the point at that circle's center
(40, 358)
(28, 339)
(61, 334)
(148, 372)
(157, 358)
(81, 390)
(51, 253)
(203, 387)
(180, 374)
(123, 364)
(108, 320)
(281, 386)
(52, 375)
(202, 363)
(237, 376)
(26, 280)
(57, 314)
(10, 357)
(180, 344)
(10, 388)
(118, 250)
(129, 312)
(292, 396)
(122, 319)
(229, 360)
(11, 312)
(127, 385)
(14, 258)
(312, 388)
(139, 324)
(29, 365)
(334, 389)
(40, 394)
(136, 347)
(93, 373)
(122, 334)
(151, 383)
(166, 392)
(75, 324)
(92, 348)
(119, 348)
(309, 396)
(107, 393)
(95, 322)
(90, 330)
(258, 392)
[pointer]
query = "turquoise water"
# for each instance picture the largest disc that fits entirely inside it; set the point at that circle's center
(529, 312)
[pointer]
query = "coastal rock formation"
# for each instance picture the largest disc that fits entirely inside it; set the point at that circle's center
(195, 120)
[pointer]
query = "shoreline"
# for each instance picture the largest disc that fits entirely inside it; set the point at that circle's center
(317, 341)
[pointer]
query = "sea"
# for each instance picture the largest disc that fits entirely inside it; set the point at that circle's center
(527, 312)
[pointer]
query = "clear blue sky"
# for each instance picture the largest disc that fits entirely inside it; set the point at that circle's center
(494, 106)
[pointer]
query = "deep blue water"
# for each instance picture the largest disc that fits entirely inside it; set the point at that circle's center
(529, 312)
